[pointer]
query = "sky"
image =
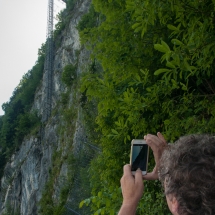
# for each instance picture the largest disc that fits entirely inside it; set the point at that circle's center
(22, 31)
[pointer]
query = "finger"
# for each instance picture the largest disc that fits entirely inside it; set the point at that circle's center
(153, 138)
(150, 137)
(150, 176)
(161, 137)
(127, 169)
(152, 141)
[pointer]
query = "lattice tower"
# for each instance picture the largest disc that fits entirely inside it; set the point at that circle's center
(49, 62)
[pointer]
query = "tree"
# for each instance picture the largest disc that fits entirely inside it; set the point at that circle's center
(158, 60)
(17, 120)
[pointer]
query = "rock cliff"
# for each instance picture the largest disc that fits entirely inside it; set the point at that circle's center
(28, 171)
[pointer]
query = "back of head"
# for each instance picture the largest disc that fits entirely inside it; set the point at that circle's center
(188, 173)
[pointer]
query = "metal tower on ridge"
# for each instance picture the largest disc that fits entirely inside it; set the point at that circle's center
(49, 62)
(48, 68)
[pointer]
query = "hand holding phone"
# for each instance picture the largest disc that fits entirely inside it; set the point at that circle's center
(139, 156)
(132, 190)
(157, 144)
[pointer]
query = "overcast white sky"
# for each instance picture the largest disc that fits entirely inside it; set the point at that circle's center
(22, 31)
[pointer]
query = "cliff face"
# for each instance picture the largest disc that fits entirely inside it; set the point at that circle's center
(28, 170)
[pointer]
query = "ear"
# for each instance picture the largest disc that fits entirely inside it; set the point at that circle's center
(174, 206)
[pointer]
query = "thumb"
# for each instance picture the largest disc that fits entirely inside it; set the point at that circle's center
(138, 177)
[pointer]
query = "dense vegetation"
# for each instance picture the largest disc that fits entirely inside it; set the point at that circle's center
(158, 75)
(18, 121)
(63, 154)
(66, 129)
(151, 70)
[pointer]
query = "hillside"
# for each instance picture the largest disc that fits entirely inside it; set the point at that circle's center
(122, 69)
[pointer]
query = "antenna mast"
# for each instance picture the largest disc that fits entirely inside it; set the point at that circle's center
(48, 67)
(49, 61)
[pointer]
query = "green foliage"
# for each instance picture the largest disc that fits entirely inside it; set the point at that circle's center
(158, 74)
(69, 74)
(26, 123)
(60, 208)
(70, 4)
(9, 210)
(64, 154)
(60, 26)
(103, 201)
(69, 115)
(18, 121)
(89, 20)
(47, 206)
(63, 19)
(65, 99)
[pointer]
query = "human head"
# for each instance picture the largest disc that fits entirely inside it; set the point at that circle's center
(187, 172)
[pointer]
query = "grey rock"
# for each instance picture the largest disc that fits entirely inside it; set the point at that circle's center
(28, 170)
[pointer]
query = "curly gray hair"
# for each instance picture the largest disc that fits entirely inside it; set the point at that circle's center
(188, 171)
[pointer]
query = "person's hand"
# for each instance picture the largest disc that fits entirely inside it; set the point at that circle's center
(132, 190)
(157, 144)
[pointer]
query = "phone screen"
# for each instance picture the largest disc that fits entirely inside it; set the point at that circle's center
(139, 157)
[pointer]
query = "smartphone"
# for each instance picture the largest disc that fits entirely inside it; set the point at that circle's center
(139, 156)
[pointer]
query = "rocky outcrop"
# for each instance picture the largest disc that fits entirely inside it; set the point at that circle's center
(28, 170)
